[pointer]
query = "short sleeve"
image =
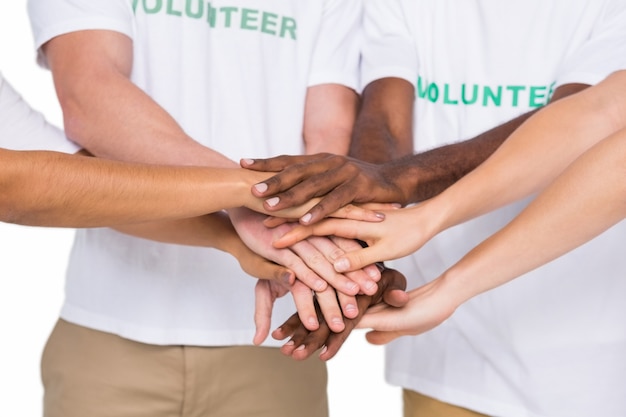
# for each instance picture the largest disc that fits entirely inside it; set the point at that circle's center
(388, 48)
(604, 51)
(52, 18)
(337, 47)
(24, 129)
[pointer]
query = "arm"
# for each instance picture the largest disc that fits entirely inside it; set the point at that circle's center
(413, 178)
(532, 157)
(584, 201)
(60, 190)
(93, 111)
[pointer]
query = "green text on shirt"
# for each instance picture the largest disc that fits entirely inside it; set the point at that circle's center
(224, 17)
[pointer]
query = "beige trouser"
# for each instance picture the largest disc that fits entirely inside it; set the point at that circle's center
(418, 405)
(87, 373)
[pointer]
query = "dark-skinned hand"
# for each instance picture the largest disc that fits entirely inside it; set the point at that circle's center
(304, 343)
(338, 180)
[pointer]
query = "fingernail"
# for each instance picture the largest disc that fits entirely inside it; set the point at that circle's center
(301, 347)
(324, 349)
(248, 161)
(312, 321)
(320, 286)
(370, 285)
(306, 218)
(286, 278)
(350, 307)
(380, 215)
(337, 320)
(272, 201)
(342, 265)
(396, 205)
(373, 272)
(352, 287)
(261, 187)
(290, 343)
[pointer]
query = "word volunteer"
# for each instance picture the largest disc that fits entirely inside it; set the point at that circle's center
(224, 17)
(484, 95)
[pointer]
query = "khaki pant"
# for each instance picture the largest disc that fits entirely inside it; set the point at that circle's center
(87, 373)
(418, 405)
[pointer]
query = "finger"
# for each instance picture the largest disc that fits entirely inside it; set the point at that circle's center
(303, 273)
(359, 259)
(367, 277)
(273, 221)
(288, 328)
(350, 229)
(299, 336)
(304, 304)
(262, 311)
(331, 311)
(348, 305)
(332, 201)
(311, 343)
(394, 292)
(353, 212)
(266, 270)
(275, 164)
(336, 340)
(313, 252)
(382, 338)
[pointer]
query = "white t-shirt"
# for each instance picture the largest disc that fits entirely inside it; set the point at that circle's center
(234, 75)
(552, 343)
(24, 129)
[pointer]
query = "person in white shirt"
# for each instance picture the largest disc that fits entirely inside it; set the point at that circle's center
(460, 69)
(195, 84)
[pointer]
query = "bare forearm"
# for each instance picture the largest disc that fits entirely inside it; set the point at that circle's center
(535, 153)
(588, 198)
(107, 114)
(53, 189)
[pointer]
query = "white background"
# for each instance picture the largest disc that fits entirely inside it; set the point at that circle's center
(32, 267)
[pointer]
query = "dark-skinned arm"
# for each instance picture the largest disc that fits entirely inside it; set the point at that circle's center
(343, 180)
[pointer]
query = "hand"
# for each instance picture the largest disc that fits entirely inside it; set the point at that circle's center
(402, 232)
(311, 262)
(304, 343)
(339, 180)
(428, 306)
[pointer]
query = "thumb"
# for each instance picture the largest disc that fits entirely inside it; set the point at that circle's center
(376, 337)
(262, 311)
(357, 259)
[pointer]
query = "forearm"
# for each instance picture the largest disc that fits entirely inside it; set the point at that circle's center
(107, 114)
(54, 189)
(383, 129)
(536, 153)
(588, 198)
(330, 111)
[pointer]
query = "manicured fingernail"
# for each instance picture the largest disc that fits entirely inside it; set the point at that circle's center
(248, 161)
(380, 215)
(342, 265)
(272, 201)
(306, 218)
(261, 187)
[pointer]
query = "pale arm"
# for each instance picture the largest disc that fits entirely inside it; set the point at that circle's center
(584, 201)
